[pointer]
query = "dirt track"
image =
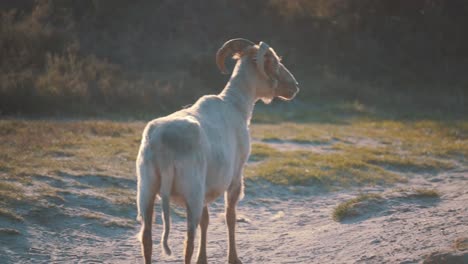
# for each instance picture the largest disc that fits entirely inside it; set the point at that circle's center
(276, 225)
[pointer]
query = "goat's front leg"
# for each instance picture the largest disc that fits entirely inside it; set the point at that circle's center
(205, 219)
(232, 196)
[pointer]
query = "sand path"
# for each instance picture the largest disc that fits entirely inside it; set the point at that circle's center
(276, 225)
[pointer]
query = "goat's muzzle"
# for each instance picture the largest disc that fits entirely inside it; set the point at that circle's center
(287, 91)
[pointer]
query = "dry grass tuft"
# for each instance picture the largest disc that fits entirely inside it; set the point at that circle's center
(10, 215)
(9, 231)
(418, 192)
(461, 243)
(349, 208)
(426, 193)
(11, 191)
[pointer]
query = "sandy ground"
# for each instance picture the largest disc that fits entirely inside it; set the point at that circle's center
(276, 224)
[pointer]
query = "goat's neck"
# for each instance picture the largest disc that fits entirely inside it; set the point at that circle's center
(240, 92)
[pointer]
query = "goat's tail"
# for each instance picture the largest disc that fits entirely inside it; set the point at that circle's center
(167, 177)
(148, 186)
(146, 190)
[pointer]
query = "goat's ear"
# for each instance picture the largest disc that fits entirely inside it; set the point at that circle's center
(271, 64)
(250, 52)
(237, 55)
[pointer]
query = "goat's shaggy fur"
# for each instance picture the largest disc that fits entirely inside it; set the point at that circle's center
(194, 155)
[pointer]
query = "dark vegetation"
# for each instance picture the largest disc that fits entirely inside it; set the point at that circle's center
(89, 57)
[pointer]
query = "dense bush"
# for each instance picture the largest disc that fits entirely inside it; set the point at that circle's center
(87, 56)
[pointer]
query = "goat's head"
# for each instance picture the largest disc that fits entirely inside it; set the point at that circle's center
(273, 79)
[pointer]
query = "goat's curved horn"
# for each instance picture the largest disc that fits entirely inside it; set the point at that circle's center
(263, 48)
(230, 47)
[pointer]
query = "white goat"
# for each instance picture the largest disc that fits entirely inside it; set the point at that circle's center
(194, 155)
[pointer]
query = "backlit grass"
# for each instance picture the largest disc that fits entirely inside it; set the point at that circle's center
(36, 155)
(107, 221)
(329, 169)
(429, 193)
(426, 138)
(417, 192)
(42, 147)
(10, 214)
(9, 231)
(395, 158)
(366, 151)
(261, 152)
(10, 192)
(51, 149)
(294, 132)
(119, 196)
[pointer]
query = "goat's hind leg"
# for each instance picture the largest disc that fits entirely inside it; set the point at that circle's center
(146, 240)
(194, 213)
(232, 196)
(190, 182)
(205, 219)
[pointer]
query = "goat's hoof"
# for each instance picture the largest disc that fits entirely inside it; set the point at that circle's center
(202, 261)
(235, 261)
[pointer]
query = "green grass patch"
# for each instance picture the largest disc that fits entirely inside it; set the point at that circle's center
(10, 192)
(53, 148)
(41, 147)
(392, 158)
(416, 138)
(424, 138)
(261, 151)
(349, 208)
(326, 169)
(365, 151)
